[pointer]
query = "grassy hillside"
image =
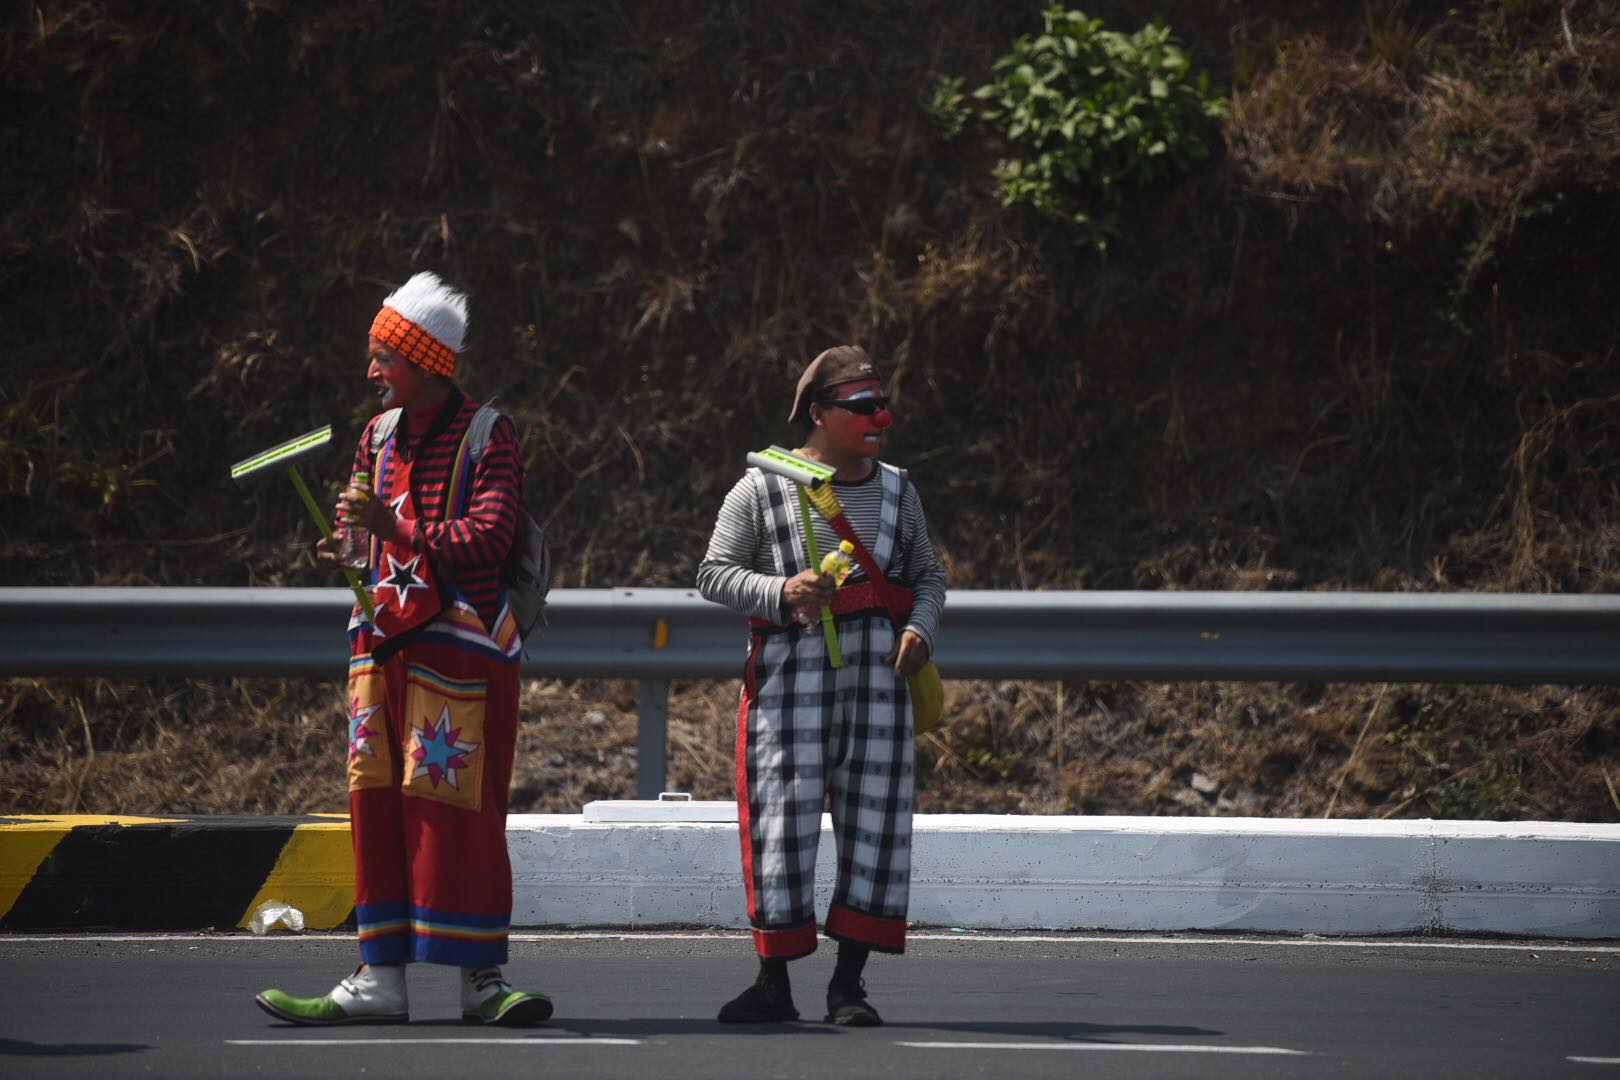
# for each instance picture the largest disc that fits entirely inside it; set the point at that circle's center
(1368, 345)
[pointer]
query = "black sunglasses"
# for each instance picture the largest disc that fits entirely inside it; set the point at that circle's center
(861, 406)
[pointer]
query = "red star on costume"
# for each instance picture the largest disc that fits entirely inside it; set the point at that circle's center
(401, 577)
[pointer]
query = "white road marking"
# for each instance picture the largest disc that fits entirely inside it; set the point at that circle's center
(543, 1040)
(1327, 942)
(1145, 1048)
(970, 936)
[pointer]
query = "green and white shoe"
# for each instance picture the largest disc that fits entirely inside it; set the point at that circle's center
(372, 995)
(487, 998)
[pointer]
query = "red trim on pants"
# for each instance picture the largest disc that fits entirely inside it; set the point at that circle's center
(847, 924)
(797, 941)
(785, 944)
(747, 699)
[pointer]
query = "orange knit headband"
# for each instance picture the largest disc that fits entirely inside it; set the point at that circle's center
(413, 343)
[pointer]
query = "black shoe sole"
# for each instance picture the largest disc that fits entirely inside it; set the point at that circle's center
(757, 1017)
(741, 1016)
(759, 1006)
(863, 1018)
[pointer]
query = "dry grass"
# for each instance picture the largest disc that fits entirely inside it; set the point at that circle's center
(1474, 114)
(231, 747)
(1017, 747)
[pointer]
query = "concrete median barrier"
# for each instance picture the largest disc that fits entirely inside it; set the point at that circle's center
(126, 872)
(640, 864)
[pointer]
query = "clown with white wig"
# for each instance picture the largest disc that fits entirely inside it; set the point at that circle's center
(433, 678)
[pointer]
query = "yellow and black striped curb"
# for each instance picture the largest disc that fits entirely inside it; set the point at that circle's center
(171, 873)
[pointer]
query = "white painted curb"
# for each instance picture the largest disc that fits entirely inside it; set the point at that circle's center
(980, 871)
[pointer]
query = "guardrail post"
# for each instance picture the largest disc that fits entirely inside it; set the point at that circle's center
(652, 737)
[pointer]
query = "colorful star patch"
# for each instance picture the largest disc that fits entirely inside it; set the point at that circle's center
(440, 752)
(371, 749)
(360, 732)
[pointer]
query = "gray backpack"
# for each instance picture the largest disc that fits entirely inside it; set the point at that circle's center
(527, 575)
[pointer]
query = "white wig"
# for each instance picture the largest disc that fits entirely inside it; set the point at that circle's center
(434, 306)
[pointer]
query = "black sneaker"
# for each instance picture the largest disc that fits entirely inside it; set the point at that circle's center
(759, 1005)
(847, 1006)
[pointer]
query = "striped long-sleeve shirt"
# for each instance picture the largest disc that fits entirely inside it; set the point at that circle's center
(739, 569)
(472, 549)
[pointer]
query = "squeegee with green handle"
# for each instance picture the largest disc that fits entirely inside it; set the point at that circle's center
(814, 477)
(287, 456)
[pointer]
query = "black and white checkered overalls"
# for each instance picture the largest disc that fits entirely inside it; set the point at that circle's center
(809, 735)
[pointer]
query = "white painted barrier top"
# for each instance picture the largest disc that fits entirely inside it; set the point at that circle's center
(661, 863)
(659, 811)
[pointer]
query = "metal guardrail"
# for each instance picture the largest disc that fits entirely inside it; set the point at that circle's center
(615, 633)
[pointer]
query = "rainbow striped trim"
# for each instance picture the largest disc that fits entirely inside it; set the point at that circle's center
(460, 625)
(451, 932)
(372, 931)
(394, 930)
(458, 937)
(384, 931)
(455, 689)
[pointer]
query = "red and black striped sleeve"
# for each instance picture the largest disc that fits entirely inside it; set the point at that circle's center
(484, 536)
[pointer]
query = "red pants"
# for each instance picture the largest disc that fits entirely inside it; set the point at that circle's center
(431, 737)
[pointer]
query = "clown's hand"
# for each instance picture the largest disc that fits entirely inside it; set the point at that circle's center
(909, 654)
(806, 589)
(326, 551)
(359, 507)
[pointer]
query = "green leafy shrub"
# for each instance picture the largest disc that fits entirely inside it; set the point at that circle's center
(1092, 114)
(948, 107)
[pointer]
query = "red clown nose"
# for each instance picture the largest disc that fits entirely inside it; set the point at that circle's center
(882, 419)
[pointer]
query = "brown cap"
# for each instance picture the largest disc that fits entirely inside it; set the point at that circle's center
(839, 364)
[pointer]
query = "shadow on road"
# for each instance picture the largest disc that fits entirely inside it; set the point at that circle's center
(629, 1028)
(1077, 1032)
(23, 1048)
(1055, 1029)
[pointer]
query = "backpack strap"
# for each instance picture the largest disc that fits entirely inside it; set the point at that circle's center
(474, 441)
(384, 429)
(478, 431)
(515, 573)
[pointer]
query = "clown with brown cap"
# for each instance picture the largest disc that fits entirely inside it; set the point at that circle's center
(433, 678)
(812, 735)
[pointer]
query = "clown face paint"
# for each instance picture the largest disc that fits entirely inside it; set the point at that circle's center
(396, 381)
(851, 433)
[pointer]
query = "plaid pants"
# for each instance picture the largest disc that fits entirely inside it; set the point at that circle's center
(808, 735)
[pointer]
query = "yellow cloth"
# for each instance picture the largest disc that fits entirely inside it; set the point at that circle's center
(927, 699)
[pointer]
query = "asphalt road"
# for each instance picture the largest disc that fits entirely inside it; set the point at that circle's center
(643, 1005)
